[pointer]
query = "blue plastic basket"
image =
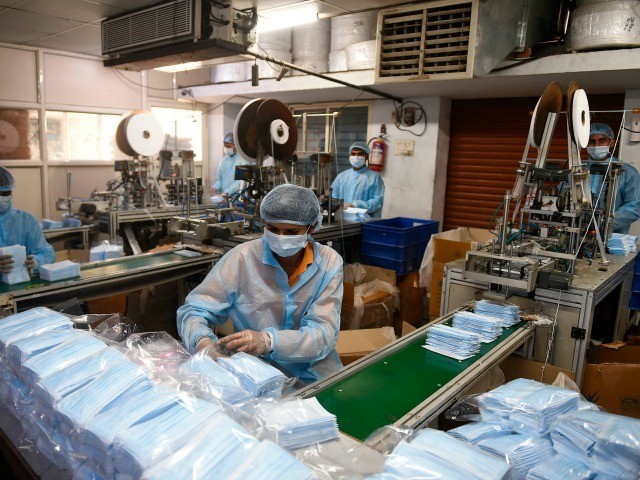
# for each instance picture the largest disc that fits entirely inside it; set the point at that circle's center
(636, 282)
(638, 264)
(393, 253)
(401, 267)
(399, 231)
(634, 304)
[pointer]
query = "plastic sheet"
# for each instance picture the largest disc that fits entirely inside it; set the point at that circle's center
(19, 272)
(354, 28)
(604, 25)
(560, 467)
(112, 329)
(408, 461)
(273, 463)
(520, 451)
(257, 377)
(158, 352)
(475, 432)
(297, 423)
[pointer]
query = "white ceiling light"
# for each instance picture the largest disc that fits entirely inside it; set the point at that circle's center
(288, 16)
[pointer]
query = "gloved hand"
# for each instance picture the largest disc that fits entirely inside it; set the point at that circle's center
(31, 263)
(348, 205)
(248, 341)
(6, 263)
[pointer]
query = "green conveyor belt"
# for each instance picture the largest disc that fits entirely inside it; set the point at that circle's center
(98, 269)
(383, 392)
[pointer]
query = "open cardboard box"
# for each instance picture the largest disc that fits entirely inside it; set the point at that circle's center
(612, 378)
(378, 307)
(80, 255)
(514, 367)
(355, 344)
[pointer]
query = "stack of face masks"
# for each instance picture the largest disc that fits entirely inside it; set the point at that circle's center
(620, 244)
(609, 444)
(54, 272)
(407, 461)
(105, 251)
(529, 406)
(489, 328)
(560, 467)
(521, 451)
(48, 224)
(257, 377)
(30, 323)
(19, 272)
(270, 462)
(475, 432)
(452, 342)
(142, 445)
(22, 350)
(509, 314)
(298, 423)
(216, 380)
(71, 222)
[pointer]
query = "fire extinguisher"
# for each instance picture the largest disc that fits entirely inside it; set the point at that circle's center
(376, 159)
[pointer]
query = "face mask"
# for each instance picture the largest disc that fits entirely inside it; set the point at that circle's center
(229, 151)
(5, 203)
(356, 162)
(598, 153)
(285, 245)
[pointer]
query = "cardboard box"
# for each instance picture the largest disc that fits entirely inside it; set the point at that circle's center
(355, 344)
(612, 378)
(446, 250)
(407, 328)
(378, 308)
(514, 367)
(80, 255)
(411, 299)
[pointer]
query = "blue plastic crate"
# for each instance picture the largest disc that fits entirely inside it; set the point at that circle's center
(401, 267)
(393, 253)
(636, 282)
(638, 263)
(399, 231)
(634, 304)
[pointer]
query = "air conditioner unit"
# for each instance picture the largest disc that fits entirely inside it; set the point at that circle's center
(451, 39)
(177, 31)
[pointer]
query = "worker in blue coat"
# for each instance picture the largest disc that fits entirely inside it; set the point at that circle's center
(226, 184)
(627, 207)
(283, 292)
(359, 186)
(20, 228)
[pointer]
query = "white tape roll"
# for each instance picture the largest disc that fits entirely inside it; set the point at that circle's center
(144, 134)
(532, 140)
(580, 118)
(279, 132)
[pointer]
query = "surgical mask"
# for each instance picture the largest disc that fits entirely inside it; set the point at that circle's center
(5, 203)
(598, 153)
(229, 151)
(285, 245)
(356, 161)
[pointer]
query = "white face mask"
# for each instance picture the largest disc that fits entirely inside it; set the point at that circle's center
(285, 245)
(598, 153)
(356, 161)
(5, 203)
(229, 151)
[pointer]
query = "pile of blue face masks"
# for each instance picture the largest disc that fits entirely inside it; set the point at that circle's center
(609, 444)
(19, 272)
(621, 244)
(298, 423)
(105, 251)
(407, 461)
(509, 314)
(140, 446)
(30, 323)
(475, 432)
(452, 342)
(71, 222)
(216, 380)
(523, 452)
(48, 224)
(23, 349)
(257, 377)
(529, 406)
(54, 272)
(560, 467)
(489, 328)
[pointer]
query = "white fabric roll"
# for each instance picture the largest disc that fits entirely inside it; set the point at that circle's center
(229, 72)
(316, 64)
(355, 28)
(361, 56)
(602, 25)
(311, 40)
(338, 61)
(275, 40)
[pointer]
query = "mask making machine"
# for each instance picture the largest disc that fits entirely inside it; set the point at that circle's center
(551, 217)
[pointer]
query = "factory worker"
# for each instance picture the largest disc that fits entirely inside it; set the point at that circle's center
(225, 184)
(627, 207)
(283, 292)
(359, 186)
(20, 228)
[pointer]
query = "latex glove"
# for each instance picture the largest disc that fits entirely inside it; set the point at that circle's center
(6, 263)
(348, 205)
(208, 346)
(31, 263)
(248, 341)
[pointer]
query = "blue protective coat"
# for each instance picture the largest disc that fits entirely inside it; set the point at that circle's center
(21, 228)
(627, 208)
(249, 285)
(225, 182)
(364, 188)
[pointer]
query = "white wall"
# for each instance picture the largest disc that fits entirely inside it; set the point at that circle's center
(414, 186)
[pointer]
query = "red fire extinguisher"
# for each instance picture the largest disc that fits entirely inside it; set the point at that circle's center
(376, 158)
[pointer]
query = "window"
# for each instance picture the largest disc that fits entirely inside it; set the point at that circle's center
(183, 129)
(19, 134)
(82, 136)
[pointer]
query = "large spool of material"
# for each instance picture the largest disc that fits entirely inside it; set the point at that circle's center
(361, 56)
(338, 61)
(229, 72)
(549, 102)
(580, 120)
(275, 40)
(310, 45)
(604, 24)
(354, 28)
(139, 133)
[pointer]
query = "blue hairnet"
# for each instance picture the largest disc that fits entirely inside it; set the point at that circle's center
(228, 138)
(362, 146)
(6, 180)
(601, 129)
(291, 204)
